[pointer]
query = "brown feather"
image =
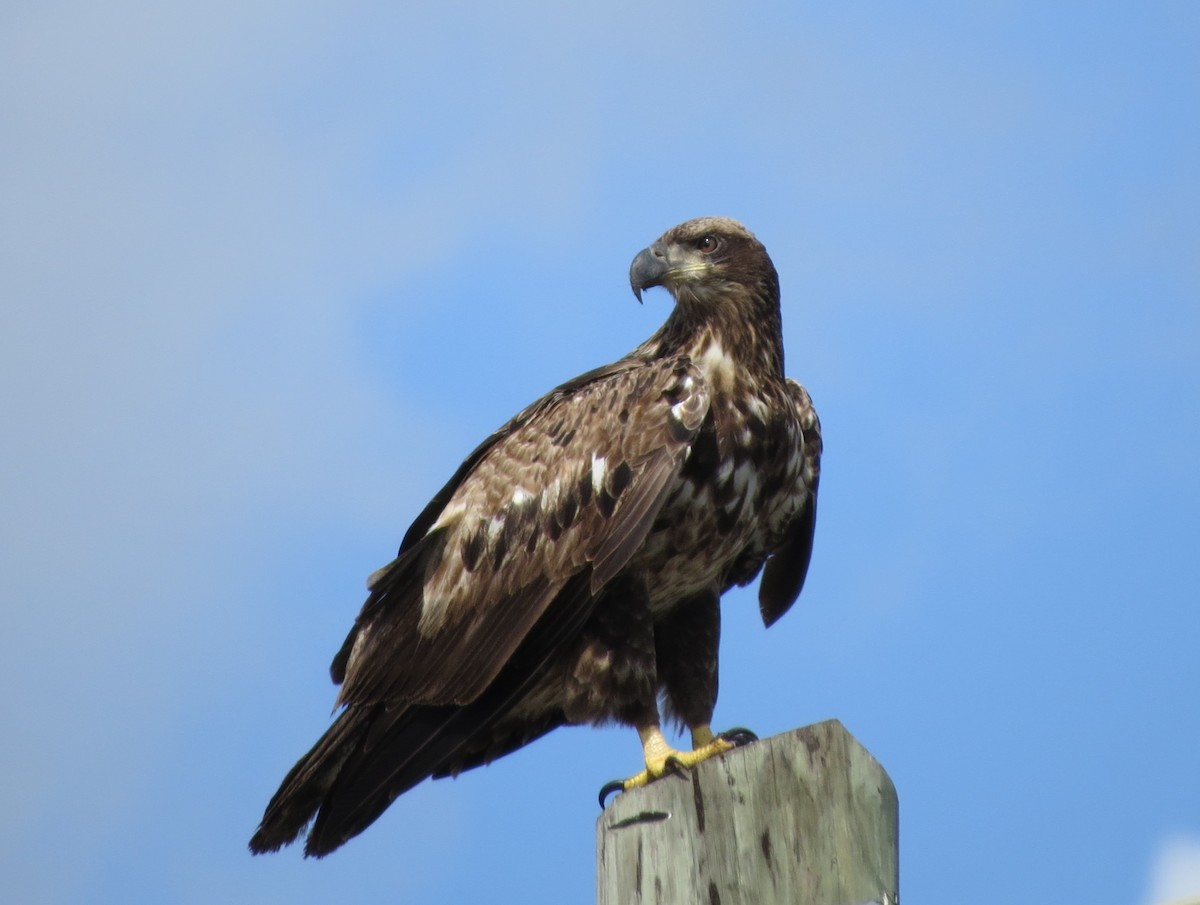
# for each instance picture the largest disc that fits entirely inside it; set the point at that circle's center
(441, 633)
(784, 574)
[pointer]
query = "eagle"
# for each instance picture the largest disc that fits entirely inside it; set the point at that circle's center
(571, 570)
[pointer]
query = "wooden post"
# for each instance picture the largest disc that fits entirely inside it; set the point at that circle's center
(804, 818)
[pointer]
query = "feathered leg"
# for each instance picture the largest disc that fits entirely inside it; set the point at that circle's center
(686, 649)
(625, 658)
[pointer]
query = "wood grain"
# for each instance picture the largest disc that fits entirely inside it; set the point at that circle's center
(807, 817)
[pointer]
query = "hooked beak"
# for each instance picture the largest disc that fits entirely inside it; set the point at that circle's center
(649, 268)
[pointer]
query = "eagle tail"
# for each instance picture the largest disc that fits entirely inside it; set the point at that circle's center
(371, 755)
(375, 752)
(400, 749)
(306, 786)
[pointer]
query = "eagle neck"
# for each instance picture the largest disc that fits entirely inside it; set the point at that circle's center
(734, 339)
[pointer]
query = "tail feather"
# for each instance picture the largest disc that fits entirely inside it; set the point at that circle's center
(368, 758)
(306, 786)
(374, 753)
(400, 750)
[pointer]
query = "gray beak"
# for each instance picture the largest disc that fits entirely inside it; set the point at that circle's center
(648, 269)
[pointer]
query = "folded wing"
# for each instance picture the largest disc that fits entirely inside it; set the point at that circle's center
(575, 480)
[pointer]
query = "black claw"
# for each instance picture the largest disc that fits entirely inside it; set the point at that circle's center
(674, 765)
(617, 785)
(738, 736)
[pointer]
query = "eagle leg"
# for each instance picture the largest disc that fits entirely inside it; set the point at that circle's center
(661, 759)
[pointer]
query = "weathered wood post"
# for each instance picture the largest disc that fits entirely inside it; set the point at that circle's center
(807, 817)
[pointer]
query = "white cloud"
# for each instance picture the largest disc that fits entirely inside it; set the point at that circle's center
(1175, 872)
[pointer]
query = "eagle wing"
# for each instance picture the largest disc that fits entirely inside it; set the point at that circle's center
(573, 482)
(784, 574)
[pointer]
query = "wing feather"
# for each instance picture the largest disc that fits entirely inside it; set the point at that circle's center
(422, 523)
(576, 480)
(784, 574)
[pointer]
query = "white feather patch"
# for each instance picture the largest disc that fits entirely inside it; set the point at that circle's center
(495, 526)
(758, 408)
(599, 468)
(716, 366)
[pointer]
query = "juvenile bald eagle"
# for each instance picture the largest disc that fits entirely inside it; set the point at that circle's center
(571, 570)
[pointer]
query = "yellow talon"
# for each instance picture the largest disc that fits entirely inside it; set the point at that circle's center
(662, 759)
(670, 760)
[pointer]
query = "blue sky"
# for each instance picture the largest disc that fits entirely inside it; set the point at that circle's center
(268, 273)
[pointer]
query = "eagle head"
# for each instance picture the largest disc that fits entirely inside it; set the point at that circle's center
(702, 255)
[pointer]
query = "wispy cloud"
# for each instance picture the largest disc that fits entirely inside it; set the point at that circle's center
(1175, 872)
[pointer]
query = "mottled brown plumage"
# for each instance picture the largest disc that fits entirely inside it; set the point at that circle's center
(571, 569)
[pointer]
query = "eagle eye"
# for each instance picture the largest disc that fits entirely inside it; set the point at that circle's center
(707, 244)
